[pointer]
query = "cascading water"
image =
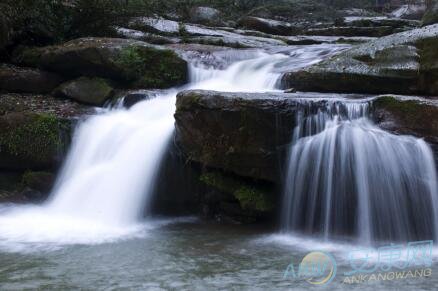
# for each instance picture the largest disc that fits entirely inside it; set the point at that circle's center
(110, 171)
(346, 177)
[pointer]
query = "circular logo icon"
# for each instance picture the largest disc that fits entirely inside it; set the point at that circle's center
(319, 268)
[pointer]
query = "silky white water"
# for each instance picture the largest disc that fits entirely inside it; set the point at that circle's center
(108, 177)
(347, 177)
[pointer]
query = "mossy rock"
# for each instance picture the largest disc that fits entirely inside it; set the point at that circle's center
(31, 140)
(94, 91)
(251, 197)
(147, 67)
(130, 62)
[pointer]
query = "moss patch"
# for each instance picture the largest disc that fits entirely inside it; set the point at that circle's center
(152, 68)
(250, 197)
(31, 136)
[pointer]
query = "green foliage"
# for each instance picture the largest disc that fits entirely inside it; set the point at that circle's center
(250, 196)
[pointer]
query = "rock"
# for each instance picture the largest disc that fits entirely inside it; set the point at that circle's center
(431, 15)
(35, 130)
(352, 31)
(268, 26)
(365, 27)
(409, 11)
(31, 140)
(240, 133)
(145, 36)
(93, 91)
(159, 26)
(403, 63)
(136, 63)
(27, 80)
(290, 90)
(39, 181)
(252, 198)
(379, 21)
(408, 115)
(206, 15)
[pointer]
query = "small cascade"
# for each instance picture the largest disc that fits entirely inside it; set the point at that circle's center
(347, 177)
(111, 169)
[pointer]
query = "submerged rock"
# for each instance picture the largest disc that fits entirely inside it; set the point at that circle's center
(27, 80)
(94, 91)
(132, 62)
(403, 63)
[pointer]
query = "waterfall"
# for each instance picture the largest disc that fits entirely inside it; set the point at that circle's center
(346, 177)
(109, 174)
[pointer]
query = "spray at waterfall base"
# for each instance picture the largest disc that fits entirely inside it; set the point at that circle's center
(367, 265)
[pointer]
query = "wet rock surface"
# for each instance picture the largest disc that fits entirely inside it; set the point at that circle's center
(408, 115)
(402, 63)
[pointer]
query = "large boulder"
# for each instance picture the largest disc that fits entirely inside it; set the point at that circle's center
(132, 62)
(431, 15)
(93, 91)
(35, 130)
(240, 133)
(403, 63)
(27, 80)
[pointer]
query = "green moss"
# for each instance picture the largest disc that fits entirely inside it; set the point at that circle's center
(35, 136)
(250, 197)
(152, 68)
